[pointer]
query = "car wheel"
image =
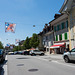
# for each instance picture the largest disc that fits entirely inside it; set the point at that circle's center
(32, 54)
(42, 54)
(66, 59)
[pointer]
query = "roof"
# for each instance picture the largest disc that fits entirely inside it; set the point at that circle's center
(66, 6)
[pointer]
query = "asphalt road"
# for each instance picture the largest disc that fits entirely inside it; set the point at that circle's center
(36, 65)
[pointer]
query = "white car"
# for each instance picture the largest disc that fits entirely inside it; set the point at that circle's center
(69, 56)
(36, 52)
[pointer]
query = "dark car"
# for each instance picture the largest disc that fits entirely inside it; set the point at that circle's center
(26, 52)
(2, 55)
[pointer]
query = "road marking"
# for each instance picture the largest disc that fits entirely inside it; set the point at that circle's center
(5, 67)
(66, 64)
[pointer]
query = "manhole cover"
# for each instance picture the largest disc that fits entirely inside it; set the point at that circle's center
(20, 65)
(33, 70)
(22, 58)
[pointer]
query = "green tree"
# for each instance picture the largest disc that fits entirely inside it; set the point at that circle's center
(19, 47)
(34, 42)
(15, 48)
(26, 43)
(1, 45)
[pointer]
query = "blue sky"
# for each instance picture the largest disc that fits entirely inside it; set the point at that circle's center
(26, 13)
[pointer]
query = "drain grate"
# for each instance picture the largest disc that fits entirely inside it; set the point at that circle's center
(33, 70)
(20, 65)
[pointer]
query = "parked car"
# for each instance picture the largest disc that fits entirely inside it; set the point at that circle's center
(11, 53)
(36, 52)
(69, 56)
(2, 55)
(26, 52)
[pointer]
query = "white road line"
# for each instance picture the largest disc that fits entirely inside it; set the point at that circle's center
(65, 64)
(5, 67)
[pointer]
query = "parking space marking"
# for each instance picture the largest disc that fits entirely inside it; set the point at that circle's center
(5, 68)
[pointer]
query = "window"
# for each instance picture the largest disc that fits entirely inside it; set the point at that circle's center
(56, 37)
(73, 50)
(65, 36)
(44, 42)
(66, 24)
(63, 25)
(57, 27)
(46, 37)
(54, 28)
(47, 43)
(60, 37)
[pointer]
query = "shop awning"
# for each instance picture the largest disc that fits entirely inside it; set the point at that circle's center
(58, 45)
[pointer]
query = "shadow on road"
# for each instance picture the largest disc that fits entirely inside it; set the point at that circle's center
(1, 67)
(73, 62)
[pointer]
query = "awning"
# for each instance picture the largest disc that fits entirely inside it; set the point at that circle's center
(58, 45)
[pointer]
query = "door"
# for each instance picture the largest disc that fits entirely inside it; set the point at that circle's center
(72, 54)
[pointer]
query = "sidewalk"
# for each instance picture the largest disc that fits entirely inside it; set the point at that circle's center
(55, 56)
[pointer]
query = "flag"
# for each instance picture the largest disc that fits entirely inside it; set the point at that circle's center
(10, 27)
(17, 41)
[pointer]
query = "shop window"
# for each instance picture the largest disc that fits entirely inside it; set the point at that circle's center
(56, 37)
(60, 37)
(65, 36)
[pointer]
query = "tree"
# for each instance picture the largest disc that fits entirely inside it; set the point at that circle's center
(15, 48)
(1, 45)
(26, 43)
(19, 47)
(34, 42)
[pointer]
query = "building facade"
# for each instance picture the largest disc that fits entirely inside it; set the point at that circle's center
(63, 30)
(68, 8)
(61, 35)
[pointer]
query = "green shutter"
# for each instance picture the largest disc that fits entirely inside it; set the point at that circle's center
(56, 37)
(65, 35)
(61, 36)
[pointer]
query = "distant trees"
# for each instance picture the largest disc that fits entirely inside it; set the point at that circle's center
(34, 42)
(15, 48)
(28, 43)
(1, 45)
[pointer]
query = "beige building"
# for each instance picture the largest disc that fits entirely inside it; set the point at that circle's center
(68, 8)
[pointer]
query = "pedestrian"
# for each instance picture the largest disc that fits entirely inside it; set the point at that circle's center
(67, 48)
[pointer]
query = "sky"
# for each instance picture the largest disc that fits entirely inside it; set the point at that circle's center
(25, 14)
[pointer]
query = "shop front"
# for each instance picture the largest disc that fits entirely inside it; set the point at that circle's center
(58, 48)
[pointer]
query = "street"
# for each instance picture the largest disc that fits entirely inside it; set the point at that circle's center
(36, 65)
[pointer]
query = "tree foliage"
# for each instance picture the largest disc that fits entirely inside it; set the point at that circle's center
(15, 48)
(1, 45)
(34, 42)
(26, 43)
